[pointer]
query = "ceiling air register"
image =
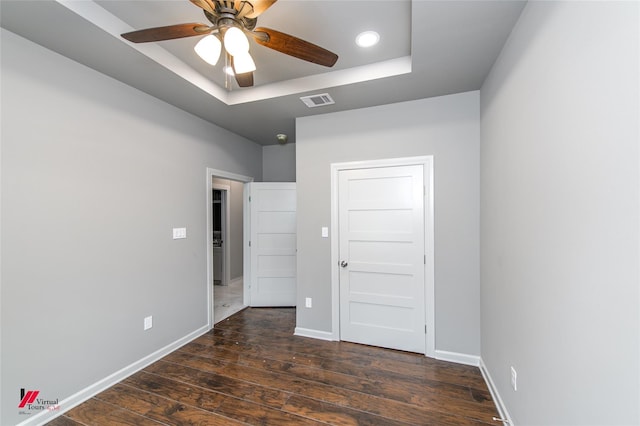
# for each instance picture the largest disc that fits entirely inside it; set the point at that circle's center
(313, 101)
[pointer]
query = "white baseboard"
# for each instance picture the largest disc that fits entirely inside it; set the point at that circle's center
(236, 280)
(458, 358)
(502, 409)
(315, 334)
(101, 385)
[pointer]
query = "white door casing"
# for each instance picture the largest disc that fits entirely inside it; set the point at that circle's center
(382, 229)
(210, 174)
(273, 243)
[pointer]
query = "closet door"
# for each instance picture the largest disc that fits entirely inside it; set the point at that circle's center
(382, 257)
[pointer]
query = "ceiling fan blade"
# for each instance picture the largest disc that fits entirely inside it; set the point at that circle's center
(207, 5)
(259, 6)
(295, 47)
(167, 33)
(245, 80)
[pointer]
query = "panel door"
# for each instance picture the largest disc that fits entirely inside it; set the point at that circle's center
(382, 252)
(273, 243)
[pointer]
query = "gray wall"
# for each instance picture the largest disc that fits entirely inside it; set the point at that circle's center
(446, 127)
(94, 176)
(279, 163)
(560, 215)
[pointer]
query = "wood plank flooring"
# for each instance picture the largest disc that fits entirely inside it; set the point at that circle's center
(251, 369)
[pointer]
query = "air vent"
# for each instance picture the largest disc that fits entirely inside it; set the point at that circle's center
(317, 100)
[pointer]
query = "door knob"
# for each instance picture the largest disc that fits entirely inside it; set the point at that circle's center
(343, 264)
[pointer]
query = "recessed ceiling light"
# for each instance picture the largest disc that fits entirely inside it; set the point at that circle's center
(367, 39)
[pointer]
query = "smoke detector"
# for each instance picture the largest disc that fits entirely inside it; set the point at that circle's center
(282, 138)
(313, 101)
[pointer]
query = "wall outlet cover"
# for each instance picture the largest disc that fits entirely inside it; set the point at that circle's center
(148, 322)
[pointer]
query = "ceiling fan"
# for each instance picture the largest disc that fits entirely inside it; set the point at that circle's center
(231, 22)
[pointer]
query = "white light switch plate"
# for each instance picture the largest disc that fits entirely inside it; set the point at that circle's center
(179, 233)
(325, 232)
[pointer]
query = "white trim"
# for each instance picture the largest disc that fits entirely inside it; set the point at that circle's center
(430, 259)
(314, 334)
(502, 409)
(90, 391)
(246, 240)
(458, 358)
(211, 173)
(335, 252)
(429, 276)
(388, 68)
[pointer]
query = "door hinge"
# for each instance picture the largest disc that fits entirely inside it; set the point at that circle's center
(249, 243)
(425, 259)
(425, 329)
(249, 198)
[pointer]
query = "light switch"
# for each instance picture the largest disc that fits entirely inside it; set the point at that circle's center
(325, 232)
(179, 233)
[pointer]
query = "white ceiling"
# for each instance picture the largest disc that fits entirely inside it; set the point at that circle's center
(427, 48)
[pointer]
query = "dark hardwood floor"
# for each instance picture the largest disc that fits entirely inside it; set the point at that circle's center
(251, 369)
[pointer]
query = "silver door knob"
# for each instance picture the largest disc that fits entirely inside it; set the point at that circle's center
(343, 264)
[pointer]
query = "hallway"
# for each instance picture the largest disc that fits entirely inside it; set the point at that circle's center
(227, 300)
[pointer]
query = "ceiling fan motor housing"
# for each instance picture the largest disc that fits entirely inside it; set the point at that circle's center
(229, 16)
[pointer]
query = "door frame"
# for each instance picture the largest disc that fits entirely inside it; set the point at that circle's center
(246, 260)
(429, 275)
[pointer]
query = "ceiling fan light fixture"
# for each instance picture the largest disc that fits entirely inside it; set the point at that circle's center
(243, 63)
(367, 39)
(235, 41)
(208, 48)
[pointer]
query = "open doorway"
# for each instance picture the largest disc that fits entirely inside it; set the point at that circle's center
(226, 219)
(227, 247)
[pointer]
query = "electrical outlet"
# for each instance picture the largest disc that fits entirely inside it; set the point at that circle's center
(514, 379)
(307, 302)
(148, 322)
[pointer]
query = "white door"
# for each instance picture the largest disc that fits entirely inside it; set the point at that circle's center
(273, 243)
(382, 256)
